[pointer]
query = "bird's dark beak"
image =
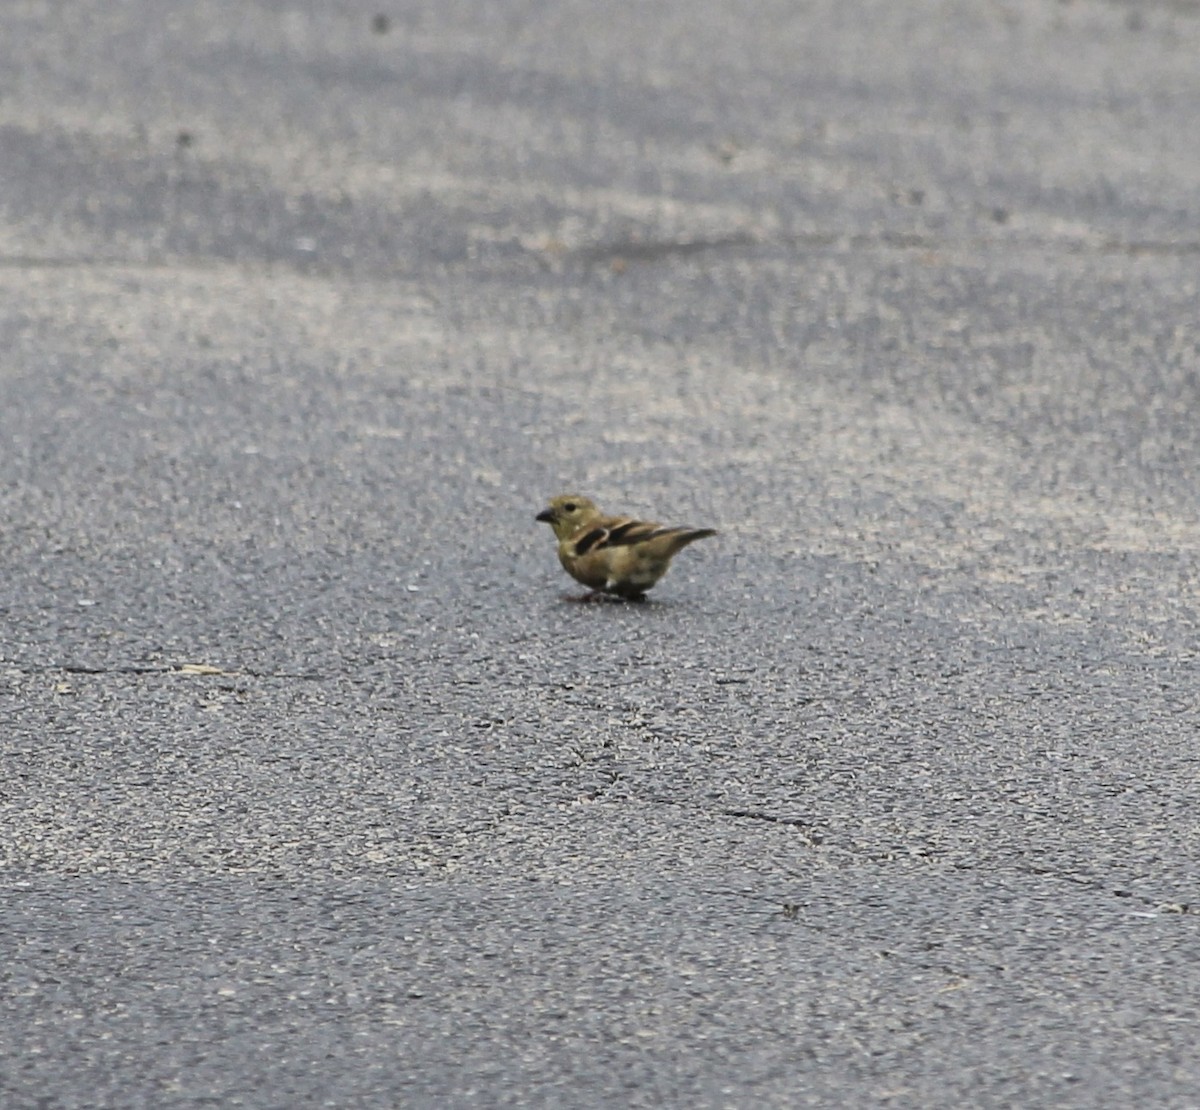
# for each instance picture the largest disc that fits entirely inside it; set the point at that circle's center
(546, 516)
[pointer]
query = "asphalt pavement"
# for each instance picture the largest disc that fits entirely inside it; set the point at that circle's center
(317, 786)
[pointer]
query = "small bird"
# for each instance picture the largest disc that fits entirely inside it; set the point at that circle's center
(613, 554)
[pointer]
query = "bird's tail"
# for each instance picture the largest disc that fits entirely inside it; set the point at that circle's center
(681, 537)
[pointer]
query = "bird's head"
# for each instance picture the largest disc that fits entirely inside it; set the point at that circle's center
(567, 513)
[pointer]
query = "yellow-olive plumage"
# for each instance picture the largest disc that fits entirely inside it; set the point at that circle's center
(613, 554)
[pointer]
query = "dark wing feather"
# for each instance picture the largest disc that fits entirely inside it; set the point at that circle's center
(622, 533)
(617, 532)
(590, 540)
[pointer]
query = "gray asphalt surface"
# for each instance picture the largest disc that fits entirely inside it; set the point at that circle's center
(891, 793)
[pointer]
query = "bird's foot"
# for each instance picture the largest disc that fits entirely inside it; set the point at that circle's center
(601, 596)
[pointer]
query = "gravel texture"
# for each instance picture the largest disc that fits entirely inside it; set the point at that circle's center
(315, 789)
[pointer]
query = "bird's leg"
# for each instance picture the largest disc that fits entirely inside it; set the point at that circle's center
(599, 596)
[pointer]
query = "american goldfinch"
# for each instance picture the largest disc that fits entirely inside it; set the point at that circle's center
(613, 554)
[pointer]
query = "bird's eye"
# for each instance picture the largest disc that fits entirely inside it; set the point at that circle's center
(570, 506)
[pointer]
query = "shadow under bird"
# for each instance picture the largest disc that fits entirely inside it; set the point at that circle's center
(613, 554)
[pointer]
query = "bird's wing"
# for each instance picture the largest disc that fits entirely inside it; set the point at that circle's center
(617, 532)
